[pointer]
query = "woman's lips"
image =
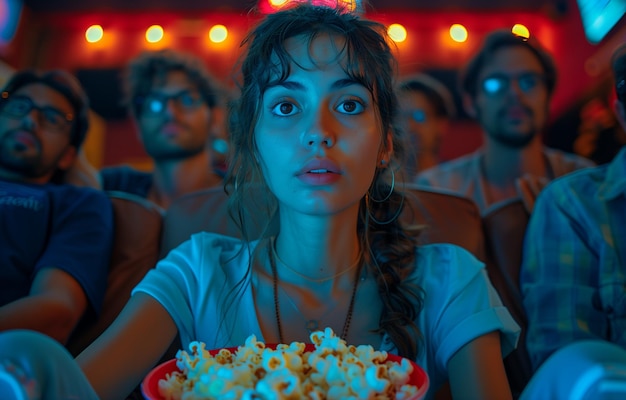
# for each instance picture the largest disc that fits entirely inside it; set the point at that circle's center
(319, 177)
(319, 172)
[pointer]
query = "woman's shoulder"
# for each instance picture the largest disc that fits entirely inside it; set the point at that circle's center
(208, 258)
(441, 263)
(445, 253)
(214, 239)
(217, 243)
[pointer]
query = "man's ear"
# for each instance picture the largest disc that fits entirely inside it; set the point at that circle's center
(67, 159)
(469, 105)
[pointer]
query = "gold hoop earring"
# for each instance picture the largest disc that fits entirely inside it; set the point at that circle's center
(371, 216)
(393, 185)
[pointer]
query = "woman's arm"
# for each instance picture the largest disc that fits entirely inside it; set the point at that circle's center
(476, 371)
(119, 359)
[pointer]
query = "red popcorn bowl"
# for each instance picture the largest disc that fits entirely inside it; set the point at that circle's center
(150, 384)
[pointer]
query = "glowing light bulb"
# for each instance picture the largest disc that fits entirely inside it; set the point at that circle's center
(347, 5)
(520, 30)
(397, 32)
(218, 33)
(154, 34)
(278, 3)
(458, 33)
(94, 33)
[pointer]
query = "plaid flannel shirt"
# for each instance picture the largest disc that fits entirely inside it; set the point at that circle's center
(573, 277)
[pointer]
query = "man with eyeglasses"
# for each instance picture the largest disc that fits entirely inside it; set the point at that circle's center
(55, 239)
(507, 87)
(426, 107)
(573, 276)
(175, 105)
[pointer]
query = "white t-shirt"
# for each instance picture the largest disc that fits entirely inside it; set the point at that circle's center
(460, 303)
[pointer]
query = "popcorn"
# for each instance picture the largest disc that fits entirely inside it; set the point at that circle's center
(333, 370)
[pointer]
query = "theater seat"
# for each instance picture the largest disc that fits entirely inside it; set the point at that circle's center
(504, 225)
(137, 224)
(447, 218)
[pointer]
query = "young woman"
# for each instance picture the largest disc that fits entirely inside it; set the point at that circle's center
(312, 129)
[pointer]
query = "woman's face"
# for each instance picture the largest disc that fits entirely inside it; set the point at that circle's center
(318, 133)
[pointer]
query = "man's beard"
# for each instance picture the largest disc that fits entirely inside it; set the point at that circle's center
(512, 140)
(12, 159)
(173, 154)
(162, 151)
(26, 166)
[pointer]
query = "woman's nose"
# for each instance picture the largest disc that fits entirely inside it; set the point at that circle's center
(319, 132)
(319, 139)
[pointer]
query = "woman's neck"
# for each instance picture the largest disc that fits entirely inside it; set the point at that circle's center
(317, 248)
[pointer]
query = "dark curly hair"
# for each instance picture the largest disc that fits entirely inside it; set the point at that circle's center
(390, 249)
(153, 66)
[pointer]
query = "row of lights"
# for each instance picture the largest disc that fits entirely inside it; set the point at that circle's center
(155, 33)
(219, 33)
(457, 32)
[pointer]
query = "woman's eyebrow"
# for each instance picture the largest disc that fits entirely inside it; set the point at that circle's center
(342, 83)
(293, 85)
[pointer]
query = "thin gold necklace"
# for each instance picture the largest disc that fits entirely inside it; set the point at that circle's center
(310, 324)
(308, 278)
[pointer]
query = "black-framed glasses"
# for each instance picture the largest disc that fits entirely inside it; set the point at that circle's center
(51, 118)
(156, 103)
(498, 84)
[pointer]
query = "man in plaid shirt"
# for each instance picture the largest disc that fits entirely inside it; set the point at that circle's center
(573, 277)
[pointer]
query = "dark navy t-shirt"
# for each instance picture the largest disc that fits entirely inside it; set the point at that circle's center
(59, 226)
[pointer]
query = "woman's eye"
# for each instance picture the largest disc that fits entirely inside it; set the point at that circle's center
(284, 109)
(350, 107)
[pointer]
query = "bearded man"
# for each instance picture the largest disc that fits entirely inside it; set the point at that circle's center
(55, 238)
(507, 87)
